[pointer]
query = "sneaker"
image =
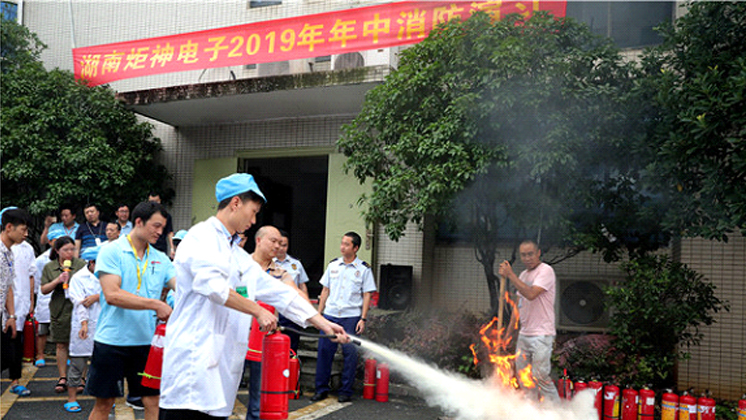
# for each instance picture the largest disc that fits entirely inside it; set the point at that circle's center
(135, 404)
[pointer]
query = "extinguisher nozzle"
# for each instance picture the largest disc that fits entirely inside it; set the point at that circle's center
(356, 342)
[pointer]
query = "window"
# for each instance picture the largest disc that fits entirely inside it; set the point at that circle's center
(630, 24)
(10, 10)
(263, 3)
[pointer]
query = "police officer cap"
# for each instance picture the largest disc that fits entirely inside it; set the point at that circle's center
(236, 184)
(179, 236)
(90, 254)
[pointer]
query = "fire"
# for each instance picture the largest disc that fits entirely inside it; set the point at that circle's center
(497, 341)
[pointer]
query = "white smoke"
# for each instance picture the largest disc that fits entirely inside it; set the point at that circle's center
(467, 399)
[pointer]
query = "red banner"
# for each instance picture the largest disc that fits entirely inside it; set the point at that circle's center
(339, 32)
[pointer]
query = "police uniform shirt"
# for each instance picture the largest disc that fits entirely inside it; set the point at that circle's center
(346, 284)
(294, 268)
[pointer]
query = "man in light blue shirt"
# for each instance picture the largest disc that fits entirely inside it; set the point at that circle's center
(344, 300)
(133, 275)
(123, 219)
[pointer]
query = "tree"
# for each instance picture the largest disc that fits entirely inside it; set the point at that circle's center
(63, 141)
(513, 123)
(697, 80)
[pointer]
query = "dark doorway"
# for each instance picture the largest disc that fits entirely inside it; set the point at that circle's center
(296, 189)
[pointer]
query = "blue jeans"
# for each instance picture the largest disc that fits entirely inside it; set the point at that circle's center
(538, 353)
(255, 385)
(327, 348)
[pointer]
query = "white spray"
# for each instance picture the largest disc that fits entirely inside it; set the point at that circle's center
(467, 399)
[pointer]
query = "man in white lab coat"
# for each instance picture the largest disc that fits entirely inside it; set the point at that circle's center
(217, 288)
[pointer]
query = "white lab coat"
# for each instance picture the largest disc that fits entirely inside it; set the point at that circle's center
(206, 342)
(23, 263)
(42, 301)
(83, 284)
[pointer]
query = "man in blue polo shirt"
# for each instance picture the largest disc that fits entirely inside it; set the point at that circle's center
(132, 274)
(92, 232)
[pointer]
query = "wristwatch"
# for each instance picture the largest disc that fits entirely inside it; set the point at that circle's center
(11, 317)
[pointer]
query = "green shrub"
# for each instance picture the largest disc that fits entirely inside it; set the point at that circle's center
(439, 338)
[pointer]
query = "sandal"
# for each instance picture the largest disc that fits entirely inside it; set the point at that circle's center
(72, 407)
(40, 363)
(61, 385)
(20, 390)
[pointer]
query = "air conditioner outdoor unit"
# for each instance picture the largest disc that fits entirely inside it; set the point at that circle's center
(581, 304)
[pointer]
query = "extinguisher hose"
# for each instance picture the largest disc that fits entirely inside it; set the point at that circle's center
(307, 334)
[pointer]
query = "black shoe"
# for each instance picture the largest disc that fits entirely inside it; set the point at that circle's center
(344, 398)
(319, 396)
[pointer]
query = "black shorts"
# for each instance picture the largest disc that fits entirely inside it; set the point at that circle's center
(111, 364)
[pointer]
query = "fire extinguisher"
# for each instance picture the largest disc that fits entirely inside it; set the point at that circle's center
(705, 407)
(369, 381)
(256, 336)
(564, 386)
(629, 404)
(669, 405)
(382, 382)
(687, 407)
(275, 377)
(742, 408)
(579, 385)
(646, 404)
(294, 380)
(597, 388)
(611, 402)
(29, 338)
(151, 377)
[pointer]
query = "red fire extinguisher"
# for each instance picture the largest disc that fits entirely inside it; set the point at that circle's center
(629, 404)
(564, 386)
(369, 381)
(705, 408)
(646, 404)
(151, 378)
(669, 406)
(256, 337)
(29, 338)
(611, 402)
(294, 380)
(742, 408)
(687, 407)
(275, 377)
(597, 388)
(579, 386)
(382, 382)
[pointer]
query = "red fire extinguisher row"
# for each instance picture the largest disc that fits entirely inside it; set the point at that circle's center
(742, 408)
(687, 407)
(369, 381)
(29, 338)
(705, 408)
(611, 402)
(382, 382)
(669, 406)
(629, 404)
(597, 388)
(646, 406)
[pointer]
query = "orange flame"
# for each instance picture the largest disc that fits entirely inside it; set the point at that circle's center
(497, 341)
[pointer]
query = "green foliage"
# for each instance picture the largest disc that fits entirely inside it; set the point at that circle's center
(439, 338)
(697, 81)
(657, 313)
(63, 141)
(18, 46)
(590, 356)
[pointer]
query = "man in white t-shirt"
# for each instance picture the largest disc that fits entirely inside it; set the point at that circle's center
(536, 290)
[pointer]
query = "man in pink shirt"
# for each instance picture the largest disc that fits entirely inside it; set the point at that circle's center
(536, 291)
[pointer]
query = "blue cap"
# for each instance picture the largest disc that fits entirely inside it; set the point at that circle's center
(90, 253)
(179, 236)
(13, 208)
(55, 233)
(236, 184)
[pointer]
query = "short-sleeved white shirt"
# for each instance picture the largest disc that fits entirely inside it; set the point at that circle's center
(346, 284)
